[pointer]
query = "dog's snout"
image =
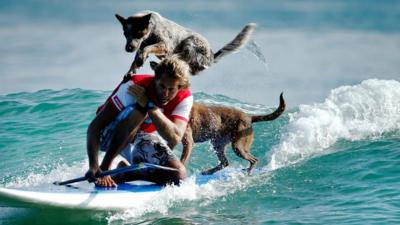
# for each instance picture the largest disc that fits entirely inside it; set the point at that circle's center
(129, 48)
(131, 45)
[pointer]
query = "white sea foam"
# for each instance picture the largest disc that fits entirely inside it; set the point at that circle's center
(187, 193)
(362, 111)
(60, 173)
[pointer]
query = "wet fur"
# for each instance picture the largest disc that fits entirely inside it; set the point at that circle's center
(223, 125)
(150, 33)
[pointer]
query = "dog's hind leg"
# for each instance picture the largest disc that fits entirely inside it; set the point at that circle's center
(196, 51)
(242, 146)
(223, 161)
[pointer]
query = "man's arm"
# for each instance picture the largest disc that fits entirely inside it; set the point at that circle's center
(171, 131)
(124, 133)
(105, 116)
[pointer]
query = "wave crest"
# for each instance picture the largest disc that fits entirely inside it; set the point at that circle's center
(362, 111)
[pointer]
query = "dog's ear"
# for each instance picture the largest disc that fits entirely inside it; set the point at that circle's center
(153, 65)
(144, 21)
(121, 19)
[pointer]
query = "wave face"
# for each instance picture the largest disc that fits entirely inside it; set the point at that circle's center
(364, 111)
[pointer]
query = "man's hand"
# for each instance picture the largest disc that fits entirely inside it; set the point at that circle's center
(139, 93)
(106, 181)
(91, 174)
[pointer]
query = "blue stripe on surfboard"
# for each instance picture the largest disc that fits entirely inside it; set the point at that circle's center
(116, 171)
(132, 187)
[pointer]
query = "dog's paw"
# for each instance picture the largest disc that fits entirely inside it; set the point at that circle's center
(247, 171)
(131, 71)
(153, 65)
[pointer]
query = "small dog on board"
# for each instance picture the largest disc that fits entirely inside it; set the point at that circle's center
(222, 125)
(149, 33)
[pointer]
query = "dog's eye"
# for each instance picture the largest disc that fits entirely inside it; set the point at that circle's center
(142, 33)
(138, 34)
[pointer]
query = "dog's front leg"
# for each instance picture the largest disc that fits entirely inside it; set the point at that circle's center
(138, 62)
(141, 56)
(159, 49)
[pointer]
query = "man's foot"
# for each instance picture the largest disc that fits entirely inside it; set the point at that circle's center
(106, 181)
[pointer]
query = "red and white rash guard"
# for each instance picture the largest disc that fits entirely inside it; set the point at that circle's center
(178, 108)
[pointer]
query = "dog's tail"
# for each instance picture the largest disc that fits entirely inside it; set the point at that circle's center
(239, 41)
(272, 116)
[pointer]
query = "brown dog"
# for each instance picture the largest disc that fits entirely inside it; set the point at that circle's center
(150, 33)
(222, 125)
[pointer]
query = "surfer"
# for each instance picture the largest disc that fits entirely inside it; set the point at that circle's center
(142, 120)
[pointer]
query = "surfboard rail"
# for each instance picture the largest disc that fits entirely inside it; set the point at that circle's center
(89, 197)
(95, 200)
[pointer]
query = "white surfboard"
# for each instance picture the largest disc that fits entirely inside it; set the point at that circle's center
(125, 196)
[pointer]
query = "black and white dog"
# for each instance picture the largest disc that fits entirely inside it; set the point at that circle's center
(149, 33)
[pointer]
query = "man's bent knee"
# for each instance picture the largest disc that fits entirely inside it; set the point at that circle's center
(182, 174)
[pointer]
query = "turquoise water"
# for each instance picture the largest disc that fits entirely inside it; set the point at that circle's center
(330, 162)
(333, 157)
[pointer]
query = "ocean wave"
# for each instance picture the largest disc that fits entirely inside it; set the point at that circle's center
(364, 111)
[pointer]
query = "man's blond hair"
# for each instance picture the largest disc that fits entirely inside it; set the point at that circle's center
(175, 68)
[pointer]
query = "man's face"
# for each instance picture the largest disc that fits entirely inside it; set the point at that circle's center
(166, 88)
